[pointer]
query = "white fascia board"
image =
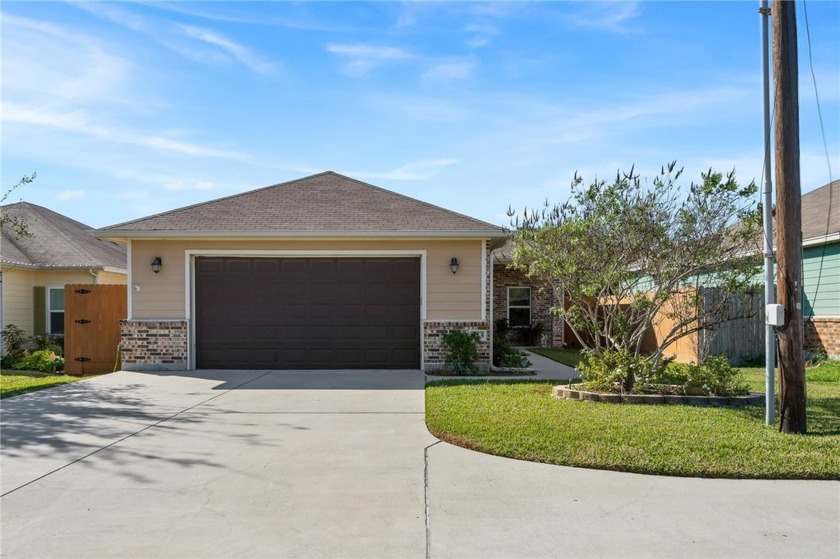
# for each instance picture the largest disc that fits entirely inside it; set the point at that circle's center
(825, 239)
(123, 235)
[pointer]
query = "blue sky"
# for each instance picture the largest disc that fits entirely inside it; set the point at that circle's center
(128, 109)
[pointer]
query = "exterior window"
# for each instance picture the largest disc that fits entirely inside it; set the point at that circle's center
(519, 306)
(55, 311)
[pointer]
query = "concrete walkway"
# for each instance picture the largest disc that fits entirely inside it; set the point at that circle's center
(340, 464)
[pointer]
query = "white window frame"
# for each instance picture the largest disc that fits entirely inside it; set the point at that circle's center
(529, 306)
(50, 311)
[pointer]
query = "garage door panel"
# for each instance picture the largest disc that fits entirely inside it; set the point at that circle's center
(308, 313)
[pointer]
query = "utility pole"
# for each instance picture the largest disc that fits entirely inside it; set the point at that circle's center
(788, 218)
(767, 210)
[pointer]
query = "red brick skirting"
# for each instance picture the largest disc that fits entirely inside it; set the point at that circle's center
(434, 354)
(823, 334)
(154, 344)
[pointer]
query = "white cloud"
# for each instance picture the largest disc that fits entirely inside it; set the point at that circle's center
(184, 185)
(65, 195)
(240, 52)
(361, 59)
(446, 71)
(77, 121)
(481, 34)
(606, 16)
(419, 170)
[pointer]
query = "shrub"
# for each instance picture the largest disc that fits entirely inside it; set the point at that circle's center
(49, 342)
(461, 351)
(530, 334)
(617, 371)
(506, 356)
(715, 377)
(14, 338)
(42, 360)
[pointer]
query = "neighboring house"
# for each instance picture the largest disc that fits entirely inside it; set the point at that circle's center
(522, 302)
(516, 298)
(324, 272)
(34, 269)
(821, 268)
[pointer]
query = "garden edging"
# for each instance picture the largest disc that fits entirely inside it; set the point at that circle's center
(575, 392)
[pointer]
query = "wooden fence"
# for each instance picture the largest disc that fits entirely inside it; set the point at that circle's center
(92, 315)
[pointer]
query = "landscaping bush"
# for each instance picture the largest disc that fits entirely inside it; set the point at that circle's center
(617, 371)
(42, 360)
(530, 334)
(506, 356)
(49, 343)
(14, 339)
(461, 351)
(715, 377)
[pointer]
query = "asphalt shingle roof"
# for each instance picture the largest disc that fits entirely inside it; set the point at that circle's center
(326, 202)
(57, 242)
(821, 211)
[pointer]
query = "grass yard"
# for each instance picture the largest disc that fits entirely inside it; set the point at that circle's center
(14, 383)
(520, 419)
(566, 355)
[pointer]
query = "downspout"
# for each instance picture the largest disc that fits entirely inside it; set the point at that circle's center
(95, 276)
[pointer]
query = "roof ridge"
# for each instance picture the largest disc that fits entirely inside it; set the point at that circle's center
(429, 204)
(228, 197)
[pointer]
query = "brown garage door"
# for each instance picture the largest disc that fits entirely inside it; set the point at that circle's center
(307, 313)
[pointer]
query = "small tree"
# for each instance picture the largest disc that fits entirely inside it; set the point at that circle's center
(628, 254)
(15, 225)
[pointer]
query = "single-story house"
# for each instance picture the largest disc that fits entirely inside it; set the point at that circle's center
(324, 272)
(821, 268)
(522, 302)
(35, 268)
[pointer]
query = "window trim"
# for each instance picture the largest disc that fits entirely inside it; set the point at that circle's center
(529, 306)
(48, 326)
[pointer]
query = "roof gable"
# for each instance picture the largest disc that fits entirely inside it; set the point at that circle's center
(821, 211)
(318, 204)
(57, 242)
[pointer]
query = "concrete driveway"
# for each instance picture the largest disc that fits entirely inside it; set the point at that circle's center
(340, 464)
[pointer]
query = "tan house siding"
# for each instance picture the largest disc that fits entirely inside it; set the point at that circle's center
(17, 298)
(104, 277)
(448, 296)
(17, 291)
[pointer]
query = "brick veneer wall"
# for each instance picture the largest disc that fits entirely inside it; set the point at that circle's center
(541, 302)
(434, 354)
(823, 334)
(154, 344)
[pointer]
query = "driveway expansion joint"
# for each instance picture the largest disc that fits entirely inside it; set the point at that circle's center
(426, 504)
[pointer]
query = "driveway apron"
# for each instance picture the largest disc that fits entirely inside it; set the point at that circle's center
(217, 464)
(340, 464)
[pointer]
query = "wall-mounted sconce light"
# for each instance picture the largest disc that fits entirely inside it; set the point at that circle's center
(453, 264)
(156, 264)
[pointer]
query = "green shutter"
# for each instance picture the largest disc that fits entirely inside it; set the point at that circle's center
(39, 310)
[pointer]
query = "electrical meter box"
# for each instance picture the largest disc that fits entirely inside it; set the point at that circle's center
(775, 315)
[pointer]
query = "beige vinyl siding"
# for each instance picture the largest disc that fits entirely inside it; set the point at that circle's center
(17, 298)
(108, 278)
(17, 291)
(448, 296)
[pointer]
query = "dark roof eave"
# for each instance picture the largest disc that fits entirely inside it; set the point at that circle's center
(126, 234)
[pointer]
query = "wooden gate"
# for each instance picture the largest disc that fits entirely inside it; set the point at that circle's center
(92, 315)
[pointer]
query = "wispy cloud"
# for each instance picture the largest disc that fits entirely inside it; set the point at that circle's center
(605, 16)
(361, 58)
(480, 34)
(79, 122)
(184, 185)
(196, 43)
(453, 70)
(65, 195)
(240, 52)
(418, 170)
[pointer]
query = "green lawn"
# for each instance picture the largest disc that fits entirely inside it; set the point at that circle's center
(520, 419)
(14, 383)
(566, 355)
